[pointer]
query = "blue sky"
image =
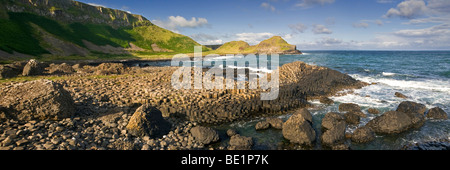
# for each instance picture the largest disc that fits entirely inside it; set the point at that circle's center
(309, 24)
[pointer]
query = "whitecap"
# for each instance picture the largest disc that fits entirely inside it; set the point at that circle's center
(388, 74)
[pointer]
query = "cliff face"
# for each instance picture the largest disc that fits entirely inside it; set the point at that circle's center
(70, 11)
(71, 28)
(274, 45)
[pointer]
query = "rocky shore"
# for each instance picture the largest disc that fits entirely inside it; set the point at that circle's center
(114, 107)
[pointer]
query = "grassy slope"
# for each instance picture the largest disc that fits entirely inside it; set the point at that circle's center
(18, 35)
(241, 47)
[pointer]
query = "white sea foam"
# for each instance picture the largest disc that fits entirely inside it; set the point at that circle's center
(388, 74)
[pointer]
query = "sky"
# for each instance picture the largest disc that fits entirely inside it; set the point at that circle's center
(309, 24)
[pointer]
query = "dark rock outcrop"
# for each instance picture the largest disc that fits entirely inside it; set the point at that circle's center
(400, 95)
(60, 69)
(363, 135)
(351, 118)
(231, 132)
(315, 81)
(437, 113)
(326, 100)
(262, 125)
(394, 122)
(205, 135)
(297, 129)
(6, 72)
(347, 107)
(238, 142)
(148, 121)
(334, 127)
(37, 100)
(373, 111)
(411, 107)
(110, 68)
(33, 68)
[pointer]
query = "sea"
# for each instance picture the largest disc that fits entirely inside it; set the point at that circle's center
(423, 76)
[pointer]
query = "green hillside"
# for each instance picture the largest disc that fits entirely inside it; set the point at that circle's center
(275, 44)
(66, 21)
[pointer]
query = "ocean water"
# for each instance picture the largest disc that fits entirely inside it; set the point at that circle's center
(423, 76)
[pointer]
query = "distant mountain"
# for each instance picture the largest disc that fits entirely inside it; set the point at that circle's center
(68, 28)
(274, 45)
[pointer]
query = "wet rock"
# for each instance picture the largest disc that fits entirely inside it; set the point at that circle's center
(437, 113)
(347, 107)
(400, 95)
(351, 118)
(326, 100)
(148, 121)
(33, 68)
(373, 111)
(297, 129)
(205, 135)
(262, 125)
(238, 142)
(231, 132)
(305, 114)
(363, 135)
(333, 125)
(394, 122)
(37, 100)
(275, 123)
(434, 145)
(411, 107)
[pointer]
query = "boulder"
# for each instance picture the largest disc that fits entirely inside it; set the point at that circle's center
(37, 100)
(437, 113)
(363, 135)
(411, 107)
(238, 142)
(110, 68)
(305, 114)
(6, 72)
(400, 95)
(60, 69)
(331, 119)
(205, 135)
(33, 68)
(334, 127)
(326, 100)
(394, 122)
(347, 107)
(351, 118)
(297, 129)
(148, 121)
(275, 123)
(373, 111)
(358, 113)
(231, 132)
(262, 125)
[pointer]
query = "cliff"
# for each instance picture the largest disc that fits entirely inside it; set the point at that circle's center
(55, 28)
(274, 45)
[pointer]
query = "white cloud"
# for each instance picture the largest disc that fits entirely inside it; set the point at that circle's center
(96, 5)
(298, 28)
(310, 3)
(438, 30)
(268, 6)
(379, 22)
(321, 29)
(206, 39)
(175, 23)
(385, 1)
(361, 25)
(328, 41)
(408, 9)
(254, 38)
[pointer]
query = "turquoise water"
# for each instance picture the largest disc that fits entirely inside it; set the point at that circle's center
(423, 76)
